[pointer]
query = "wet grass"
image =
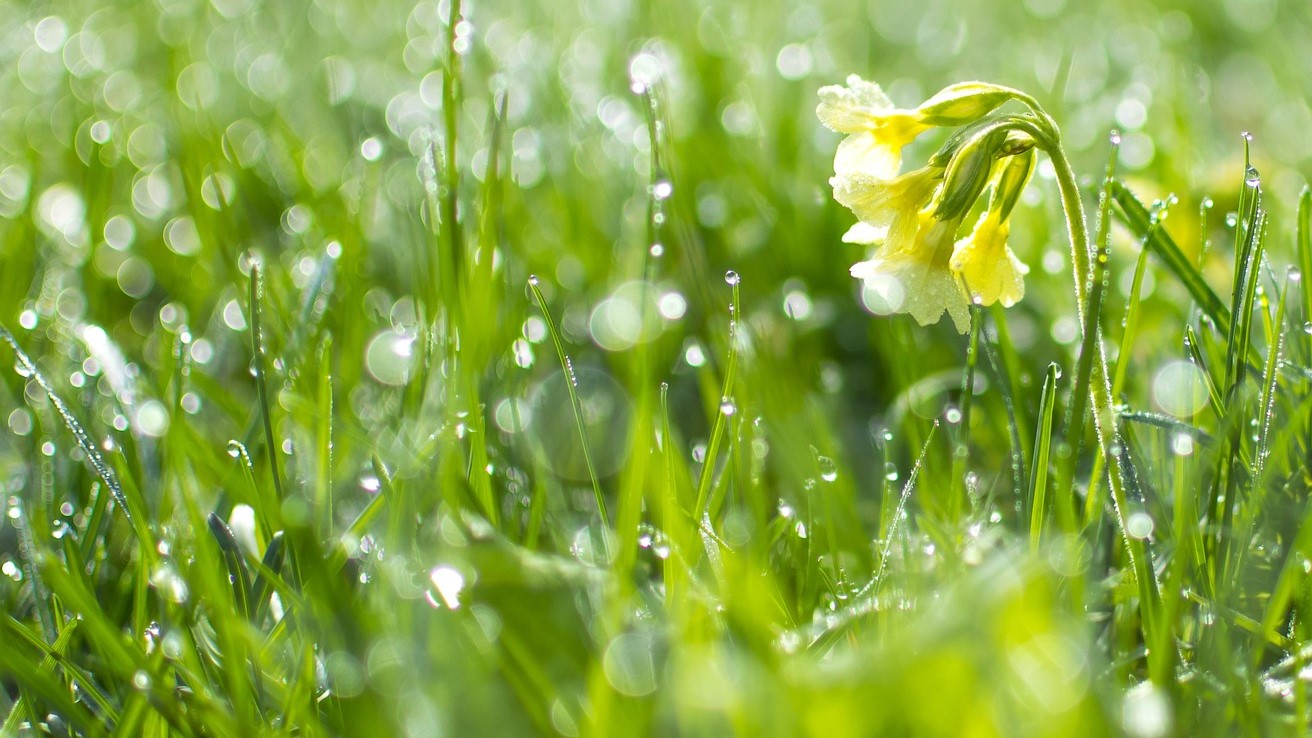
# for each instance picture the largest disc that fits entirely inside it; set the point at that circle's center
(376, 389)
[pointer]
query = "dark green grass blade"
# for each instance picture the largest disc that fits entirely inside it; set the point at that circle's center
(232, 556)
(1140, 222)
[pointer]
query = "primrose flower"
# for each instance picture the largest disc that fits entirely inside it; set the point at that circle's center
(918, 269)
(991, 271)
(919, 266)
(877, 130)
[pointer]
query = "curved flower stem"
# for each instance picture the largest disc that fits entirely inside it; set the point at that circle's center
(1111, 449)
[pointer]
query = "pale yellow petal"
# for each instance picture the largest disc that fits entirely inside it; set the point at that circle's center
(849, 109)
(866, 153)
(925, 284)
(879, 201)
(991, 271)
(865, 234)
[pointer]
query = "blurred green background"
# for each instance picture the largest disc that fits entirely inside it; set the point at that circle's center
(148, 150)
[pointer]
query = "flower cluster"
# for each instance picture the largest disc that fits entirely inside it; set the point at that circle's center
(914, 217)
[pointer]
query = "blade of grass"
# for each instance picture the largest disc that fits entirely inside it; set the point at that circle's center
(571, 385)
(1303, 250)
(1140, 222)
(134, 508)
(726, 403)
(1039, 464)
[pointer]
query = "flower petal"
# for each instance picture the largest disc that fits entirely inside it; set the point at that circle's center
(865, 234)
(849, 109)
(991, 271)
(865, 152)
(879, 201)
(928, 286)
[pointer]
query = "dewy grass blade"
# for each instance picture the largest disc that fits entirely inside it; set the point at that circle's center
(1303, 244)
(1270, 380)
(1091, 341)
(1131, 324)
(1039, 464)
(1140, 222)
(133, 509)
(1007, 375)
(261, 383)
(571, 386)
(1250, 245)
(323, 478)
(724, 410)
(961, 429)
(873, 587)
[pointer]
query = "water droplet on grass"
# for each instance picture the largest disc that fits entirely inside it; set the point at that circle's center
(661, 189)
(448, 584)
(1139, 525)
(731, 278)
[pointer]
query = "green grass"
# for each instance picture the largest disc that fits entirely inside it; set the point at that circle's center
(364, 388)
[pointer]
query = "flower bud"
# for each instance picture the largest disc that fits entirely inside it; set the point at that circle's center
(968, 173)
(1015, 174)
(962, 103)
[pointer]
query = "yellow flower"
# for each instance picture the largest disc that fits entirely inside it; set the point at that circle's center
(877, 130)
(914, 274)
(991, 271)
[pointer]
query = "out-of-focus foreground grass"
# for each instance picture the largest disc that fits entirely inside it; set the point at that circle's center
(313, 302)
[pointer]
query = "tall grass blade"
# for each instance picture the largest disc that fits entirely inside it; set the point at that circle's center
(572, 386)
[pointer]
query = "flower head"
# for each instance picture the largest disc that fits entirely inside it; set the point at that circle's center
(918, 266)
(992, 273)
(877, 130)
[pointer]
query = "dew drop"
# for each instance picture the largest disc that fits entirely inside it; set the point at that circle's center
(1139, 525)
(1115, 138)
(828, 469)
(731, 278)
(661, 189)
(533, 279)
(727, 407)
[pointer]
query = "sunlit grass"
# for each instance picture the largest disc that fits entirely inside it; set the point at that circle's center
(377, 375)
